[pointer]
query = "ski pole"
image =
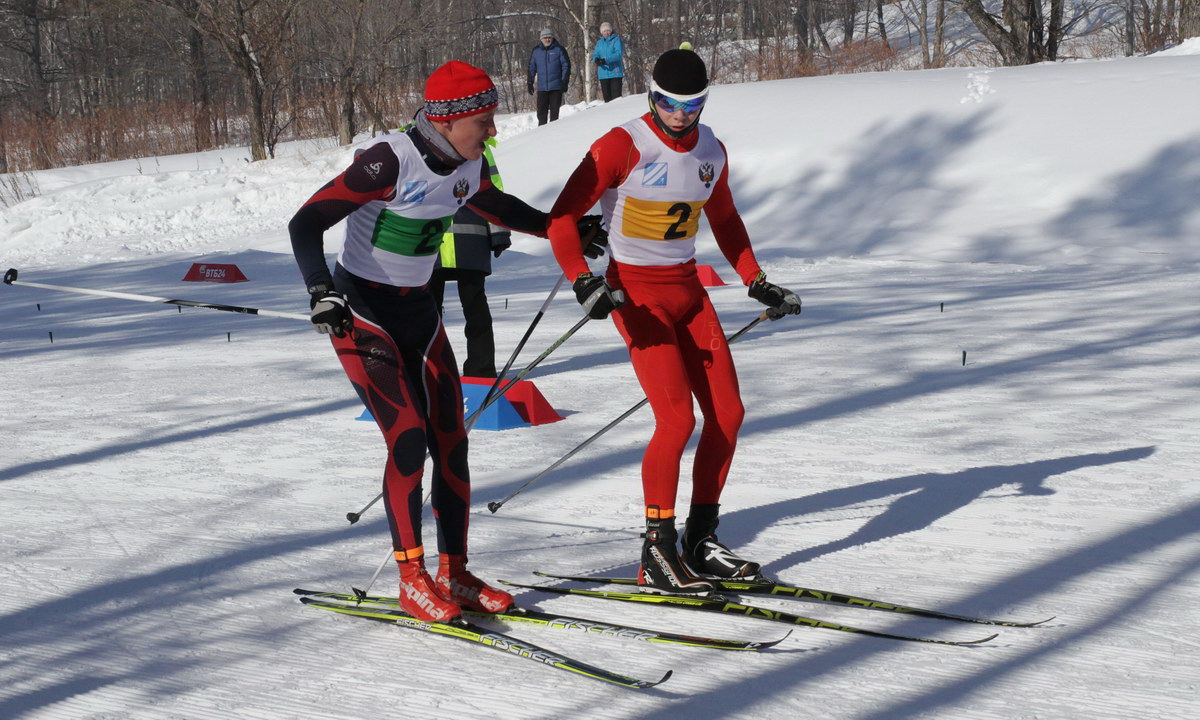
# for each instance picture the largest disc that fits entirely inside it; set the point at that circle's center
(10, 278)
(362, 594)
(354, 517)
(497, 504)
(512, 358)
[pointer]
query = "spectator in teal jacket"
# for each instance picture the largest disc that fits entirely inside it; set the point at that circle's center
(610, 68)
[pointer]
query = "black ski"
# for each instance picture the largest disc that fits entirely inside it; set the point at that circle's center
(772, 587)
(470, 632)
(720, 604)
(566, 622)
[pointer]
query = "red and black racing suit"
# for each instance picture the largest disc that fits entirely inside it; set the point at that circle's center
(397, 355)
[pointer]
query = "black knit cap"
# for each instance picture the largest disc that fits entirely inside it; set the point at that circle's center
(680, 72)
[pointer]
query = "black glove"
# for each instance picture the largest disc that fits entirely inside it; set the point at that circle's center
(330, 313)
(501, 241)
(600, 61)
(530, 86)
(593, 238)
(596, 296)
(781, 300)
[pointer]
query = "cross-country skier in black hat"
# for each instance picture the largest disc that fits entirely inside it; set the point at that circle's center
(654, 176)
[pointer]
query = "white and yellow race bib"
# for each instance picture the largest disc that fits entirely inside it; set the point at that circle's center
(654, 215)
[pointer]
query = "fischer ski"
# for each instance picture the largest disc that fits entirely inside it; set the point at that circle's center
(778, 589)
(720, 604)
(470, 632)
(566, 622)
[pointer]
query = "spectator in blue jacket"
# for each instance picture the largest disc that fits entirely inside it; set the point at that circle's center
(609, 67)
(551, 68)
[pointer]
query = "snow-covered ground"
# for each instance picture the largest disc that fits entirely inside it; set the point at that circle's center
(168, 477)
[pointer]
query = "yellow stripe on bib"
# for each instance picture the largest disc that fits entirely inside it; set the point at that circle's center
(660, 220)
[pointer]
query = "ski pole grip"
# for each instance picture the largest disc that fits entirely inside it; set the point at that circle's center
(10, 277)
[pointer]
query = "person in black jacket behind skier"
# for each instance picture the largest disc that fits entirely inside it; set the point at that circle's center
(466, 260)
(550, 67)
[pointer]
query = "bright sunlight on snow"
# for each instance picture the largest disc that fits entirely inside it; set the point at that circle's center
(988, 407)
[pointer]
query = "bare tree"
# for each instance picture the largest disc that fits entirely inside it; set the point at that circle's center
(1189, 19)
(917, 14)
(346, 39)
(89, 80)
(1022, 35)
(254, 35)
(25, 23)
(882, 25)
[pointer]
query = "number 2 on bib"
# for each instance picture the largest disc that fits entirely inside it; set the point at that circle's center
(414, 237)
(660, 220)
(685, 212)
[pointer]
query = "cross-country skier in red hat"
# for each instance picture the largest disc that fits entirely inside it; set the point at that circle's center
(398, 198)
(653, 176)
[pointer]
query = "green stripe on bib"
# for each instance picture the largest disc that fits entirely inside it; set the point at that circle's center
(413, 237)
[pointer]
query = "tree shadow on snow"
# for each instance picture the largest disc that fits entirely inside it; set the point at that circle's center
(1182, 326)
(891, 185)
(806, 674)
(922, 500)
(932, 382)
(1132, 209)
(55, 649)
(1157, 200)
(185, 435)
(87, 324)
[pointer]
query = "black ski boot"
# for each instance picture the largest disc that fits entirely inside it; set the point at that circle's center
(661, 569)
(705, 556)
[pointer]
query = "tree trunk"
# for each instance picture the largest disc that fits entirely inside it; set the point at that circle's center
(802, 29)
(346, 128)
(849, 15)
(379, 123)
(1011, 44)
(939, 35)
(1189, 19)
(922, 8)
(38, 94)
(716, 44)
(3, 146)
(256, 98)
(1130, 27)
(591, 24)
(882, 27)
(201, 102)
(1055, 31)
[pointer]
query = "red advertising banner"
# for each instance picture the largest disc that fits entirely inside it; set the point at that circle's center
(212, 272)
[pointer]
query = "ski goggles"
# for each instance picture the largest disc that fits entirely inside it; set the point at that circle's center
(670, 104)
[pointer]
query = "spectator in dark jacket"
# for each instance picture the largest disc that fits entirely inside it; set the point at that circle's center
(610, 67)
(551, 68)
(466, 259)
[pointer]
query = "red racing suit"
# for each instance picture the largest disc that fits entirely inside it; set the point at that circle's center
(652, 189)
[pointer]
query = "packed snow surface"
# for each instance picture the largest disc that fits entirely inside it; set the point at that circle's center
(988, 406)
